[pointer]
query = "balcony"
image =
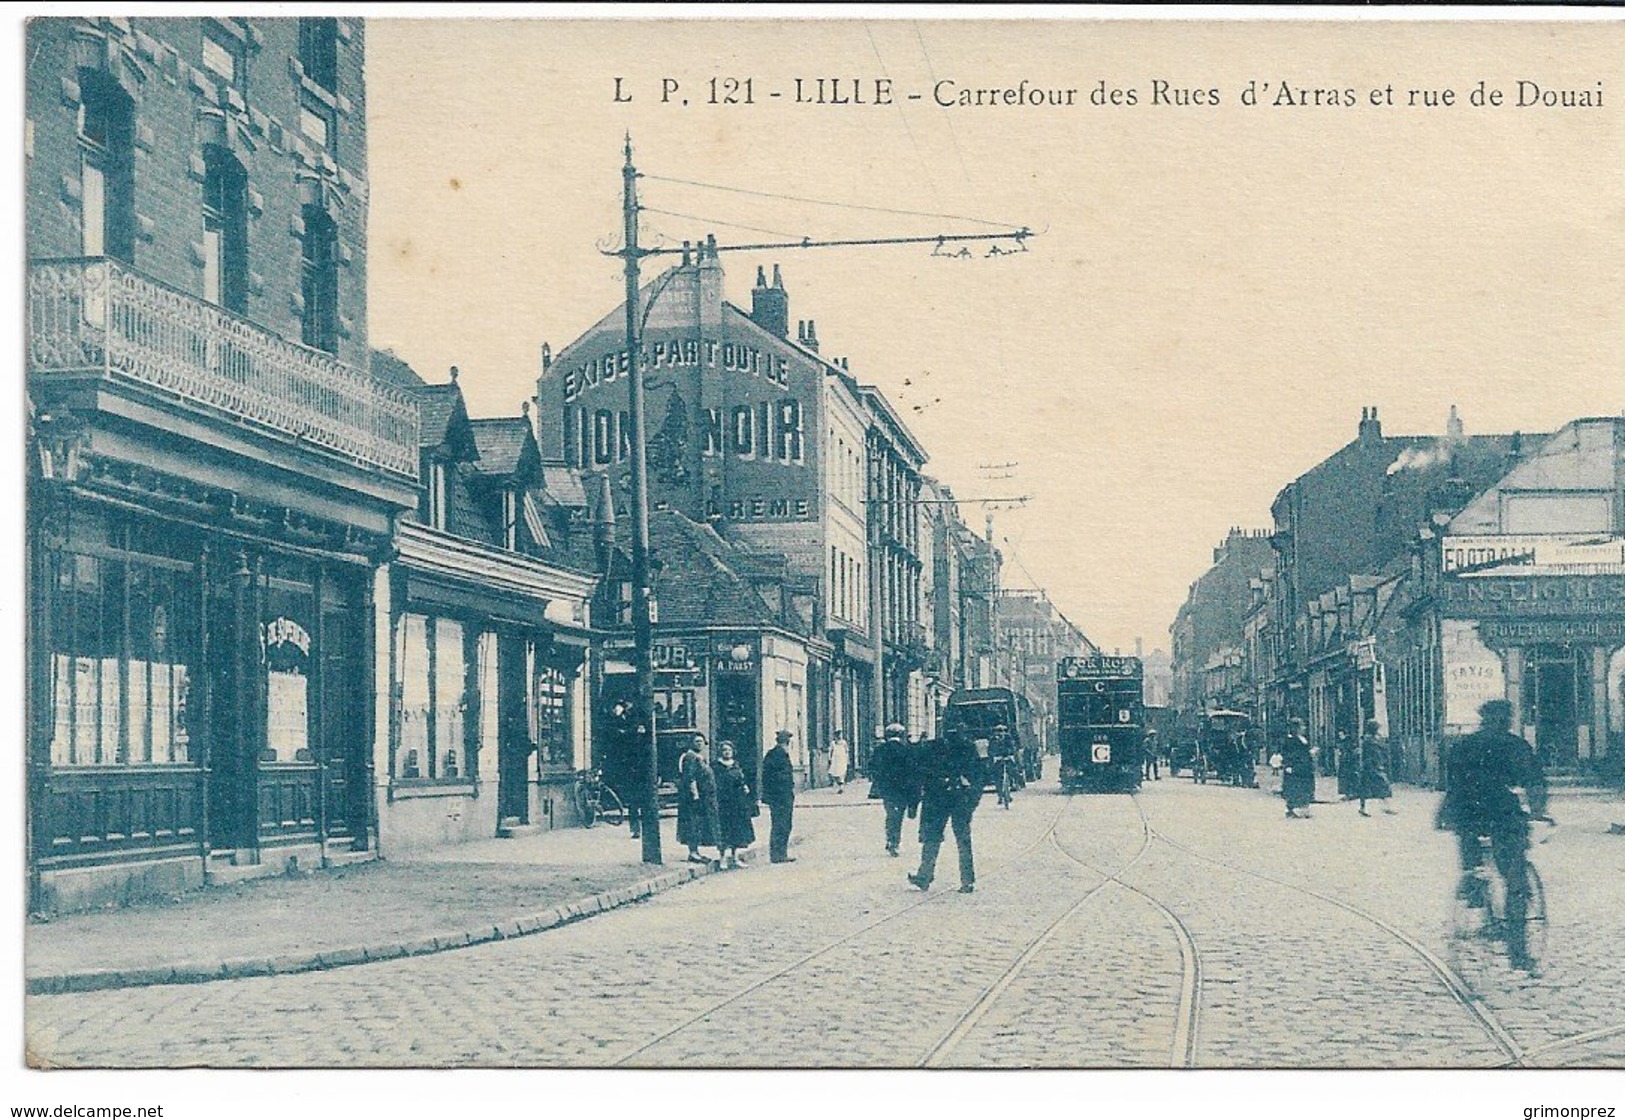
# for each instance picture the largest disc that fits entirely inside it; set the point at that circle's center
(98, 316)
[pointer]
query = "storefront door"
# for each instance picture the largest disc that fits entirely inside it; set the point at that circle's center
(735, 695)
(513, 737)
(1553, 706)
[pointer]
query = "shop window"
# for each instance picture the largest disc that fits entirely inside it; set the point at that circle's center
(107, 167)
(122, 637)
(550, 722)
(432, 683)
(674, 709)
(319, 51)
(1616, 693)
(287, 639)
(225, 231)
(319, 281)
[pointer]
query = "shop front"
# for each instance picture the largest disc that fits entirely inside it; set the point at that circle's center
(488, 679)
(734, 685)
(200, 700)
(1550, 643)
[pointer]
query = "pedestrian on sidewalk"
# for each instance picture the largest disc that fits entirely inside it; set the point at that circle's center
(697, 825)
(779, 794)
(1297, 770)
(840, 759)
(1348, 768)
(626, 762)
(894, 781)
(735, 807)
(1374, 784)
(952, 774)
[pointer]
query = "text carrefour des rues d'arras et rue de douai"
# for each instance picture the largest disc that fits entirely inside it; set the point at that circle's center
(951, 93)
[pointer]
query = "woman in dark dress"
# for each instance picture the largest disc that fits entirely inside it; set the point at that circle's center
(696, 801)
(1297, 771)
(734, 804)
(1374, 785)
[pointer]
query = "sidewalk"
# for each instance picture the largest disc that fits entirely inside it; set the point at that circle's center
(463, 895)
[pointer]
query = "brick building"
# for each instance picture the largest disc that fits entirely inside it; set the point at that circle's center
(214, 474)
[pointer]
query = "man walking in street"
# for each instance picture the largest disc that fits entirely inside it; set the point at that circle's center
(779, 794)
(952, 774)
(892, 779)
(1482, 773)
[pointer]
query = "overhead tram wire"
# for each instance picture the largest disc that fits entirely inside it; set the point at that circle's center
(719, 222)
(828, 202)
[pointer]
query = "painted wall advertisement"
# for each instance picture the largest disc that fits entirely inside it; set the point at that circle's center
(1472, 674)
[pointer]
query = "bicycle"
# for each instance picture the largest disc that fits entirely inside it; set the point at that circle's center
(595, 801)
(1479, 922)
(1004, 782)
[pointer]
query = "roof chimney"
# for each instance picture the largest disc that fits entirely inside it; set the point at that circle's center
(811, 341)
(1453, 429)
(1370, 426)
(770, 306)
(547, 357)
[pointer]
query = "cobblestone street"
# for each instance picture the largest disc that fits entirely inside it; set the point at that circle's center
(1188, 925)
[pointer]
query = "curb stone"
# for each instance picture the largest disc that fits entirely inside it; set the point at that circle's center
(193, 972)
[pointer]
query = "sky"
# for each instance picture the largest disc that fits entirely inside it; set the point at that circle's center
(1213, 294)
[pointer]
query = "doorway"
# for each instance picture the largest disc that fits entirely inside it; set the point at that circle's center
(514, 744)
(1553, 704)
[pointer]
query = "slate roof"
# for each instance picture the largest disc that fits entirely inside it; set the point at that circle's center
(501, 443)
(699, 580)
(386, 367)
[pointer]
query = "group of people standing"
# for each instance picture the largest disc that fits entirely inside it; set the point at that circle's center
(1362, 769)
(716, 807)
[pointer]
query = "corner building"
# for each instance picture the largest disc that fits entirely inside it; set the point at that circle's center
(213, 474)
(750, 433)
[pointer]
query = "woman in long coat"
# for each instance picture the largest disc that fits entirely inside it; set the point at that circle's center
(1297, 771)
(696, 801)
(1374, 785)
(734, 805)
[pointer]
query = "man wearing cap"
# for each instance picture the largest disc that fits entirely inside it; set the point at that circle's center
(894, 782)
(952, 773)
(779, 794)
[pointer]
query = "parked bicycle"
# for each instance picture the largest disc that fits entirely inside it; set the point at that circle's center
(596, 801)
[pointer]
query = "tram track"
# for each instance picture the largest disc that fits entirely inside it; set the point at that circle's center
(1453, 983)
(937, 1055)
(1187, 1018)
(827, 948)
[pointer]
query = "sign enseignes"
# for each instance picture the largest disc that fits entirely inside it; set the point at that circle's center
(1533, 596)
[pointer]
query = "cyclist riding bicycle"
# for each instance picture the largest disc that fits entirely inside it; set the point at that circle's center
(1482, 773)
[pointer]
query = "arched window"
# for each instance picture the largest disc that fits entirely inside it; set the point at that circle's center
(107, 176)
(319, 282)
(225, 230)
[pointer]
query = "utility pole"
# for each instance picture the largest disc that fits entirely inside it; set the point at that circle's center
(642, 615)
(642, 618)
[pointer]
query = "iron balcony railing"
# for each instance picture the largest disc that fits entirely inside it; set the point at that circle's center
(97, 315)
